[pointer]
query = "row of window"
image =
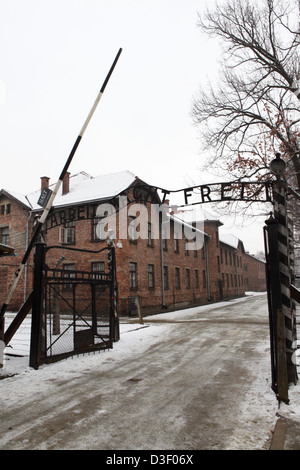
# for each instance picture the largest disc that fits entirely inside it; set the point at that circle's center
(232, 257)
(232, 280)
(67, 235)
(99, 267)
(133, 278)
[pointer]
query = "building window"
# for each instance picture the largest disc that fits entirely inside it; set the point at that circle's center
(98, 269)
(151, 276)
(164, 244)
(69, 273)
(166, 277)
(218, 261)
(176, 245)
(150, 242)
(132, 275)
(188, 278)
(3, 209)
(98, 232)
(177, 278)
(4, 235)
(132, 229)
(164, 235)
(67, 233)
(8, 208)
(186, 247)
(196, 279)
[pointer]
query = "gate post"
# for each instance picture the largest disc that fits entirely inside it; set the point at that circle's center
(36, 319)
(285, 250)
(276, 314)
(273, 291)
(115, 327)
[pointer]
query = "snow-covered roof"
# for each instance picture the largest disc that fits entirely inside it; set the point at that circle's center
(86, 188)
(255, 257)
(83, 188)
(19, 197)
(229, 239)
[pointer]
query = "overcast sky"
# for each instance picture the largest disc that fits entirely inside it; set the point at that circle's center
(54, 57)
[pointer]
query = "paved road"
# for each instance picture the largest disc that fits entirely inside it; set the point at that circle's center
(203, 383)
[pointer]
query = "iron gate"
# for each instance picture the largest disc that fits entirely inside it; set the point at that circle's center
(73, 311)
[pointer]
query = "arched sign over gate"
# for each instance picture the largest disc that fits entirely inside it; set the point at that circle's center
(248, 191)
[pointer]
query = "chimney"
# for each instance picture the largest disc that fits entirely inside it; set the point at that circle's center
(66, 183)
(44, 182)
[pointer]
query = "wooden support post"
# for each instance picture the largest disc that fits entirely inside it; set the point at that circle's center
(36, 319)
(282, 376)
(19, 318)
(137, 303)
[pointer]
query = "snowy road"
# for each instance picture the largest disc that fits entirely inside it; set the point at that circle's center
(201, 381)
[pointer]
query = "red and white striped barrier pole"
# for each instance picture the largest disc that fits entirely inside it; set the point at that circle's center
(53, 194)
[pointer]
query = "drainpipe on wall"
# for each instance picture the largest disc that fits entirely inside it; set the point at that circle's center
(26, 265)
(236, 273)
(162, 262)
(207, 268)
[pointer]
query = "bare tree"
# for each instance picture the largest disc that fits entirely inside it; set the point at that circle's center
(254, 110)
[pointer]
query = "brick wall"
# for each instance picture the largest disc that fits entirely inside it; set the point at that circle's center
(255, 273)
(232, 271)
(215, 271)
(14, 217)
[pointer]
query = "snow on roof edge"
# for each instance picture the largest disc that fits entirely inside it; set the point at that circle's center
(86, 188)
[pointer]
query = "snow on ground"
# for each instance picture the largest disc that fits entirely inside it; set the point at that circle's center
(135, 339)
(16, 354)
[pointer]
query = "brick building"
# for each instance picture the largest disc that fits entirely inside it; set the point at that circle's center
(232, 253)
(155, 260)
(254, 273)
(15, 227)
